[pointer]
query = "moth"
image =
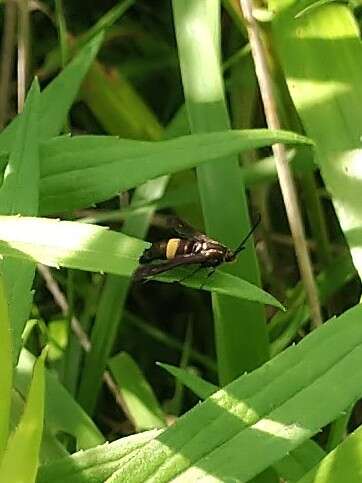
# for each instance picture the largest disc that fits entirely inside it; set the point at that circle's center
(191, 247)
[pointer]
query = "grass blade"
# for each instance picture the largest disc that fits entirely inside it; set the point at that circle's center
(19, 195)
(6, 368)
(80, 171)
(87, 247)
(327, 96)
(225, 210)
(21, 458)
(140, 401)
(57, 97)
(270, 411)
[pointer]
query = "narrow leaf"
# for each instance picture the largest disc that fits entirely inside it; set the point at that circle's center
(327, 96)
(344, 463)
(268, 412)
(80, 171)
(57, 97)
(6, 367)
(21, 458)
(93, 248)
(63, 413)
(19, 195)
(199, 386)
(139, 399)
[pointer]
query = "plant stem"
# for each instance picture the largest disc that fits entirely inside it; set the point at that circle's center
(23, 51)
(284, 173)
(7, 59)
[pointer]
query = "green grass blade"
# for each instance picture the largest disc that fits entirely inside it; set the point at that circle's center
(19, 190)
(51, 448)
(117, 106)
(62, 32)
(19, 195)
(6, 367)
(199, 386)
(106, 21)
(21, 458)
(80, 171)
(292, 466)
(97, 249)
(140, 401)
(221, 185)
(57, 97)
(269, 412)
(63, 413)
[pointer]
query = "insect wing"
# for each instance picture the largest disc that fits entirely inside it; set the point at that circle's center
(145, 271)
(185, 231)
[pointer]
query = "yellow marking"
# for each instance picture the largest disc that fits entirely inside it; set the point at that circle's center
(172, 246)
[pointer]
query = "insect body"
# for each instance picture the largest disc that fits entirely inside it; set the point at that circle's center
(191, 248)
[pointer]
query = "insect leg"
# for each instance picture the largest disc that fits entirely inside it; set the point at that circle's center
(189, 275)
(210, 274)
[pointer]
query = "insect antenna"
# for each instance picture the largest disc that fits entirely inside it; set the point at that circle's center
(242, 244)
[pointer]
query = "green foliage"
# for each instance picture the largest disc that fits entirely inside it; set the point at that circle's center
(268, 412)
(80, 171)
(139, 399)
(6, 371)
(147, 143)
(21, 457)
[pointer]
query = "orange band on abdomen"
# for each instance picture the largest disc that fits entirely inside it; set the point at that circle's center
(172, 246)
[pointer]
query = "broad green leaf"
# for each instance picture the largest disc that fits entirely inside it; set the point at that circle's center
(19, 195)
(93, 248)
(342, 464)
(256, 420)
(268, 412)
(327, 95)
(63, 413)
(6, 367)
(140, 401)
(199, 386)
(57, 97)
(292, 466)
(81, 466)
(80, 171)
(21, 458)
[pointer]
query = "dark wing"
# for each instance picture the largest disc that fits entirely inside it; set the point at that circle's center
(184, 230)
(144, 271)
